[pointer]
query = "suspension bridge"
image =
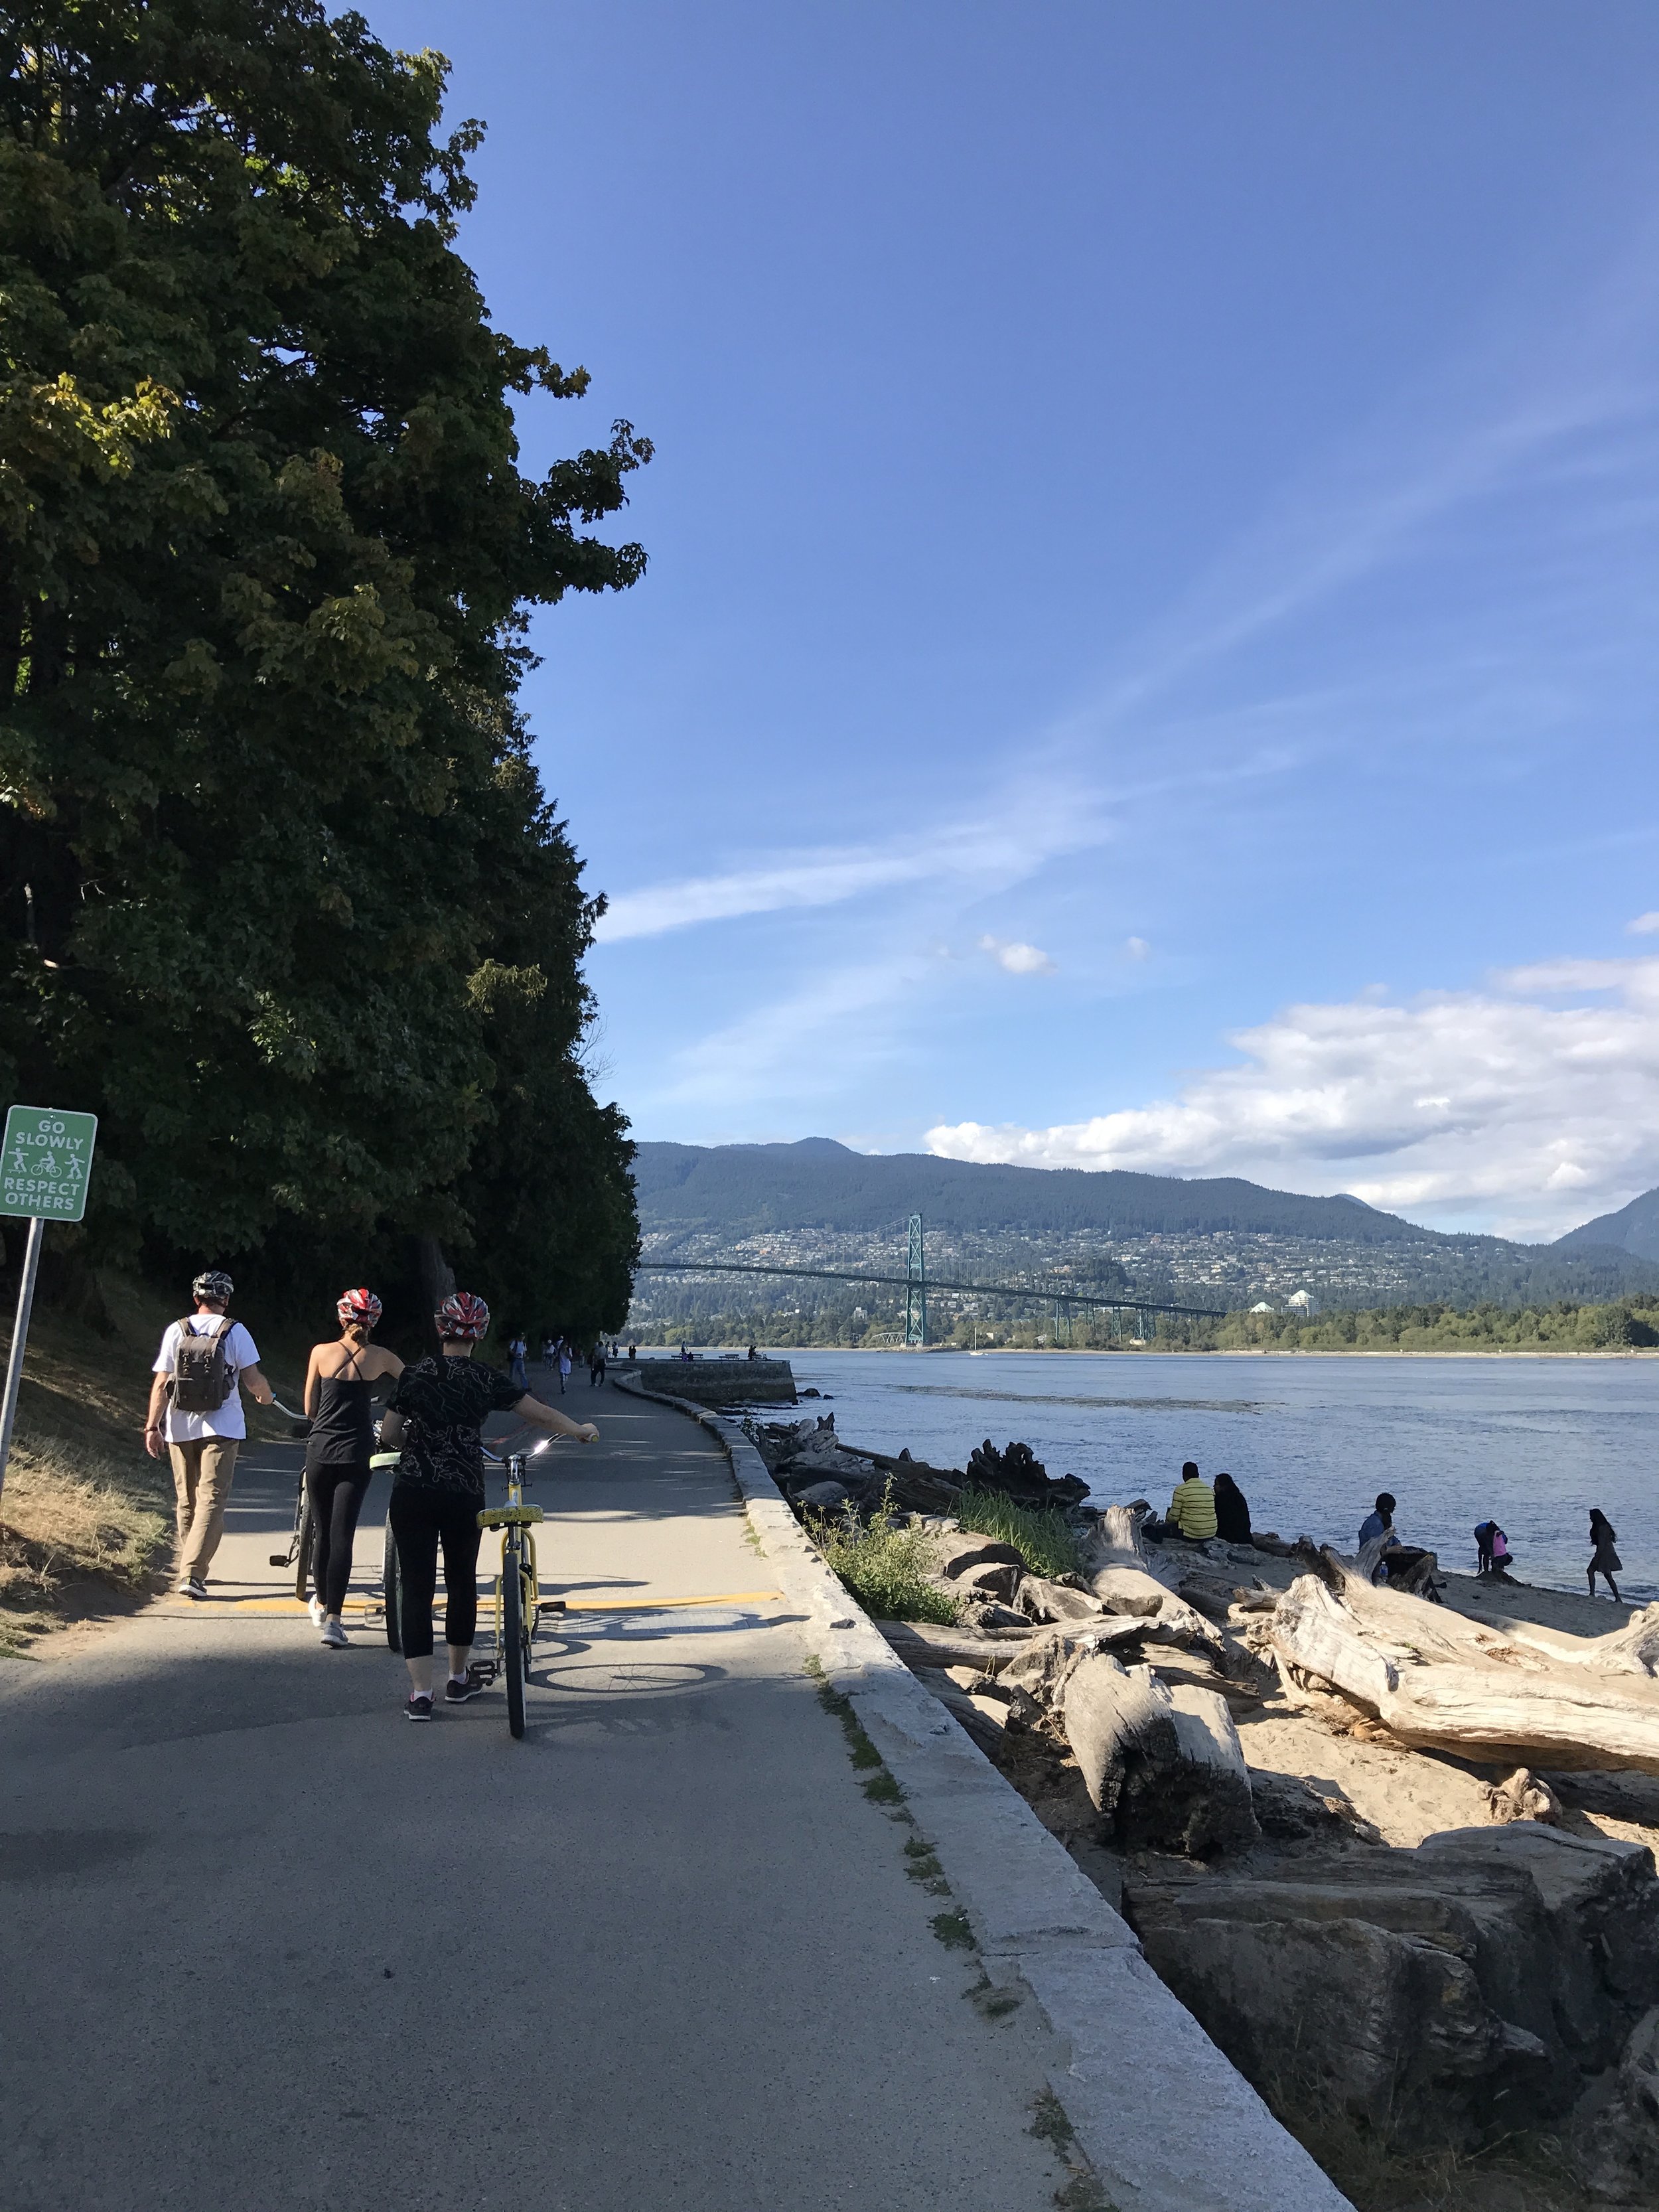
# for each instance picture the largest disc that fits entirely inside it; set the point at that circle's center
(915, 1283)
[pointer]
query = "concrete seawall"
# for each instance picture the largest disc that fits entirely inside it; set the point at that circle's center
(1166, 2120)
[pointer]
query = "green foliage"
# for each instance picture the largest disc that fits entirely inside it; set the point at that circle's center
(1037, 1533)
(886, 1564)
(301, 927)
(1626, 1325)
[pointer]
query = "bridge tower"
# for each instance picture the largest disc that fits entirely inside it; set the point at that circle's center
(915, 1288)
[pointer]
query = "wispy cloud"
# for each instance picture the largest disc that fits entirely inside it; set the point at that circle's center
(1455, 1103)
(1017, 959)
(1007, 843)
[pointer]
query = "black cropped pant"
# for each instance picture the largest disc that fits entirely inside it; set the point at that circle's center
(336, 1499)
(421, 1520)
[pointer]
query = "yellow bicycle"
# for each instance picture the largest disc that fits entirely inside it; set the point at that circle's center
(520, 1604)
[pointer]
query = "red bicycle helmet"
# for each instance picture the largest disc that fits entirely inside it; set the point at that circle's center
(360, 1305)
(463, 1319)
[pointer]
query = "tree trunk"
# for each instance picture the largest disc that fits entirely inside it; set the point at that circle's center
(1163, 1766)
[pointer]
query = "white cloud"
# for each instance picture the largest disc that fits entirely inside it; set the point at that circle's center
(1644, 924)
(1010, 842)
(1505, 1104)
(1136, 947)
(1018, 959)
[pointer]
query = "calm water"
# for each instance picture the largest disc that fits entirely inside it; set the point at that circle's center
(1533, 1442)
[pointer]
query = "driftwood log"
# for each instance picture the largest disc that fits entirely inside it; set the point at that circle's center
(1163, 1765)
(1439, 1682)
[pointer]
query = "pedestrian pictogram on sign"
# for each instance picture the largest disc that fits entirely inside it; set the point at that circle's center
(46, 1163)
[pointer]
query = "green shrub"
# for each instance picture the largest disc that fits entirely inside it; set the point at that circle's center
(1039, 1534)
(886, 1564)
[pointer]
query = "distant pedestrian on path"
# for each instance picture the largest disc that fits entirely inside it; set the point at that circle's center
(1605, 1559)
(1192, 1508)
(549, 1352)
(204, 1364)
(564, 1363)
(1232, 1511)
(596, 1364)
(340, 1383)
(518, 1352)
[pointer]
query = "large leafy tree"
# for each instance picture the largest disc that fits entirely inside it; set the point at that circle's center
(285, 903)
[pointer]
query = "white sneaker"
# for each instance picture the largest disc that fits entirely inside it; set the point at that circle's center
(334, 1636)
(192, 1586)
(318, 1616)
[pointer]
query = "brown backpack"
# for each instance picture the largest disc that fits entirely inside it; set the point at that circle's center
(202, 1378)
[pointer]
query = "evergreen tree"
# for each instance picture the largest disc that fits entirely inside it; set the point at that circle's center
(286, 905)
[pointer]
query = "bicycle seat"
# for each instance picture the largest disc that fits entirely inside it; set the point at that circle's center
(511, 1516)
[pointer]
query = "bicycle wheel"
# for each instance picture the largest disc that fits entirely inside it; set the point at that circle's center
(391, 1588)
(512, 1654)
(304, 1543)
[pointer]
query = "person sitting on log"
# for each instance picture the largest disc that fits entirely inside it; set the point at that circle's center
(1232, 1511)
(1192, 1507)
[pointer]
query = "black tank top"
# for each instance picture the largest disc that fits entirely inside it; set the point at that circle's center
(342, 1433)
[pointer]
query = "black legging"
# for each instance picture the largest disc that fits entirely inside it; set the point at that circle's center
(337, 1498)
(420, 1519)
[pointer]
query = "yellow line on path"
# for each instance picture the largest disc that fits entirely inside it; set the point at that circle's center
(206, 1609)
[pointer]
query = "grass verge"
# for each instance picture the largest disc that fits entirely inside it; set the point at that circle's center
(887, 1564)
(1038, 1533)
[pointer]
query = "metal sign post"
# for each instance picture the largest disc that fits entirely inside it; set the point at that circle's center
(44, 1171)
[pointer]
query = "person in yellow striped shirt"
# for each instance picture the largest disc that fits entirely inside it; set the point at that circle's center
(1192, 1509)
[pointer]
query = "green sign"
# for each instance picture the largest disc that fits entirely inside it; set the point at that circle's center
(46, 1163)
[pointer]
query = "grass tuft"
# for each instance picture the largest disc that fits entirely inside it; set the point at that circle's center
(888, 1565)
(1040, 1534)
(952, 1931)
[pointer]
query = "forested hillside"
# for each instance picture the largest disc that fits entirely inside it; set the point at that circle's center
(1634, 1228)
(1223, 1242)
(284, 901)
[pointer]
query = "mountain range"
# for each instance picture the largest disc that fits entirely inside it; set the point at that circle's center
(816, 1201)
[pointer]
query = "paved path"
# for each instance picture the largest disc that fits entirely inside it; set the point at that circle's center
(264, 1946)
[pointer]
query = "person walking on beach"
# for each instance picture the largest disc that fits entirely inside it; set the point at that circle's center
(1604, 1560)
(204, 1364)
(340, 1381)
(437, 1410)
(1192, 1508)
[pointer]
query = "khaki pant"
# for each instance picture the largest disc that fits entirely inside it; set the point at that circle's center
(202, 1474)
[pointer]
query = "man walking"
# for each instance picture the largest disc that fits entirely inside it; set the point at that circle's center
(204, 1364)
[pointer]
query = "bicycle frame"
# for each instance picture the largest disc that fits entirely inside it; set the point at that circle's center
(518, 1601)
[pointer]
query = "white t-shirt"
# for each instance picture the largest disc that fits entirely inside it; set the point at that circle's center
(241, 1353)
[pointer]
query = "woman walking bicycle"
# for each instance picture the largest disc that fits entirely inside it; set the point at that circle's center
(339, 1384)
(437, 1411)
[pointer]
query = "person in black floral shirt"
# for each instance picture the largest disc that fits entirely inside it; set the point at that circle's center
(435, 1417)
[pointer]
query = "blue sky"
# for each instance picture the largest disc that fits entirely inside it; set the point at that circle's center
(1149, 653)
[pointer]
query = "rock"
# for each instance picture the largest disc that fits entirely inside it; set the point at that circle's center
(822, 1497)
(1523, 1797)
(1488, 1974)
(1163, 1766)
(1615, 2133)
(994, 1580)
(983, 1719)
(1128, 1589)
(1210, 1597)
(962, 1553)
(1002, 1617)
(1042, 1601)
